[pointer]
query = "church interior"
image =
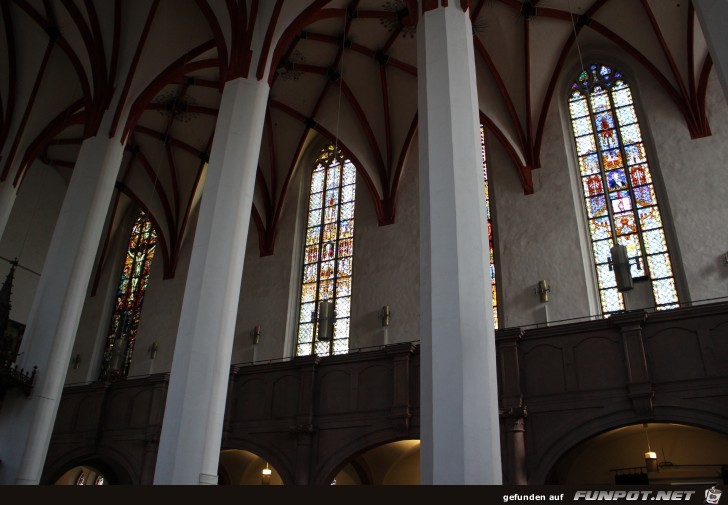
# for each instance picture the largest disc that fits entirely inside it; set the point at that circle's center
(364, 242)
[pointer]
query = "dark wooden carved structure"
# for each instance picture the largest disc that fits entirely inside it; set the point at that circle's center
(10, 375)
(309, 416)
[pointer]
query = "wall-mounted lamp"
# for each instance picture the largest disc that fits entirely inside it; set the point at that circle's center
(76, 361)
(384, 314)
(153, 350)
(256, 334)
(543, 290)
(650, 456)
(265, 475)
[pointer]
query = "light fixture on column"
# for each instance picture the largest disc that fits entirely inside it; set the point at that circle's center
(325, 320)
(76, 361)
(622, 267)
(256, 334)
(650, 456)
(384, 314)
(543, 290)
(265, 475)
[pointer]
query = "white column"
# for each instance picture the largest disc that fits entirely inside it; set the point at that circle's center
(189, 447)
(713, 17)
(460, 437)
(26, 424)
(7, 200)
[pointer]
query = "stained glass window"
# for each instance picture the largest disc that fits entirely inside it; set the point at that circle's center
(619, 195)
(328, 257)
(129, 298)
(490, 230)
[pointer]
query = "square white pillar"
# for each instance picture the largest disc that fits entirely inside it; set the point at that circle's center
(460, 435)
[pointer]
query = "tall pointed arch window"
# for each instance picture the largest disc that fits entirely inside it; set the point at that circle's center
(325, 308)
(619, 195)
(129, 298)
(490, 230)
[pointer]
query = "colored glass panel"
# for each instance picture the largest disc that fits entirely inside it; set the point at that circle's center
(313, 235)
(600, 228)
(308, 293)
(305, 333)
(593, 185)
(654, 241)
(606, 277)
(132, 285)
(645, 196)
(578, 107)
(624, 224)
(650, 218)
(596, 206)
(310, 273)
(346, 248)
(347, 193)
(616, 179)
(639, 175)
(582, 126)
(307, 310)
(631, 134)
(341, 346)
(665, 292)
(599, 100)
(604, 121)
(343, 287)
(347, 229)
(491, 248)
(328, 253)
(317, 182)
(343, 307)
(621, 201)
(612, 300)
(602, 250)
(316, 201)
(312, 254)
(632, 243)
(626, 115)
(326, 289)
(659, 266)
(621, 95)
(347, 211)
(585, 145)
(612, 159)
(608, 140)
(635, 154)
(589, 164)
(601, 93)
(314, 217)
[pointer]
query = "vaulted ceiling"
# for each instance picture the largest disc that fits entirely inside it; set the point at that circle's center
(344, 70)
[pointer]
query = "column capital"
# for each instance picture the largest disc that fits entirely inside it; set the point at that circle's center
(631, 320)
(507, 336)
(518, 412)
(428, 5)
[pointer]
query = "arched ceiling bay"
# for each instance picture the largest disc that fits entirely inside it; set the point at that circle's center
(344, 70)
